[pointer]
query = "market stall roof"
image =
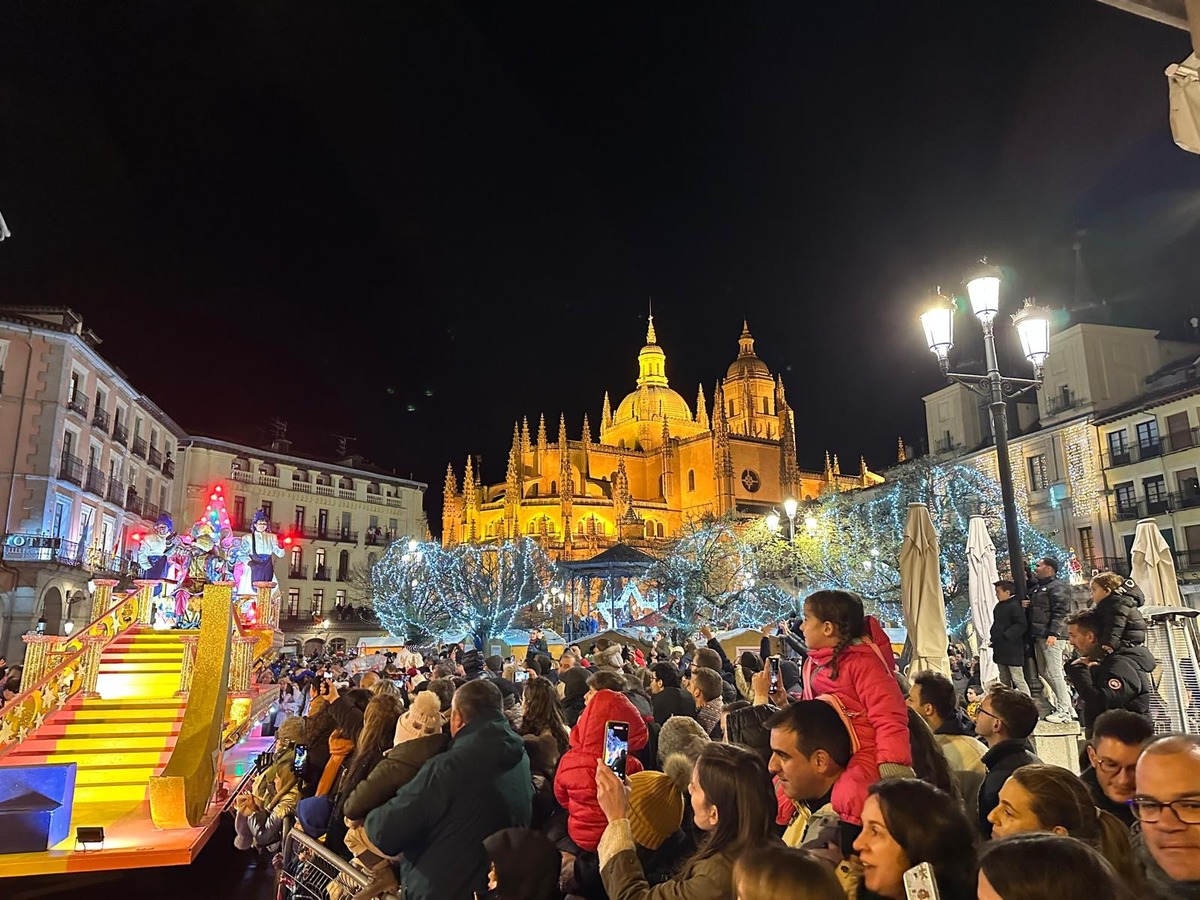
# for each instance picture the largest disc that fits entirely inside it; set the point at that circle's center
(617, 636)
(619, 559)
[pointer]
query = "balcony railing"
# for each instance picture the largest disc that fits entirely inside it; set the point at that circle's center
(297, 571)
(155, 457)
(35, 548)
(1161, 505)
(1063, 402)
(946, 445)
(1153, 448)
(121, 434)
(168, 467)
(139, 447)
(71, 469)
(321, 573)
(78, 403)
(116, 492)
(309, 487)
(95, 482)
(100, 418)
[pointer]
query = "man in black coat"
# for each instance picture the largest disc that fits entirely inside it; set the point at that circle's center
(1010, 626)
(1006, 719)
(1118, 680)
(666, 696)
(1049, 603)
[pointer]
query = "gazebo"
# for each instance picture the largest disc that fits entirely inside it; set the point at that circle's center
(599, 581)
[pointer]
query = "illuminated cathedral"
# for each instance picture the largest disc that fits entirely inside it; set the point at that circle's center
(655, 465)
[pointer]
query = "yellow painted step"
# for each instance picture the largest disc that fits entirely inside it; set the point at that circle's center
(139, 666)
(89, 775)
(110, 793)
(83, 757)
(125, 686)
(119, 733)
(109, 741)
(115, 715)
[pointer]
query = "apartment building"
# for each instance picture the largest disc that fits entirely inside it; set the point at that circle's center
(340, 517)
(1056, 451)
(1151, 462)
(88, 461)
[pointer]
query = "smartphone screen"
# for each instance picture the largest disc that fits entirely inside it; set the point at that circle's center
(920, 884)
(523, 675)
(774, 663)
(301, 758)
(616, 746)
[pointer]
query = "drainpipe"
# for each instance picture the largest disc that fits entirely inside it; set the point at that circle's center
(6, 627)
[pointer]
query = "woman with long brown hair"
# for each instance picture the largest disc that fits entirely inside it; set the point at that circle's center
(1040, 798)
(732, 804)
(375, 739)
(542, 714)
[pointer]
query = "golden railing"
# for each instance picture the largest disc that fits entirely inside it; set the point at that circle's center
(58, 668)
(180, 796)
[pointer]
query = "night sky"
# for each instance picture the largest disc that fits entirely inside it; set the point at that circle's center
(463, 208)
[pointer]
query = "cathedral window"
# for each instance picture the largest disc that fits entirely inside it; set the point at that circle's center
(554, 487)
(731, 408)
(691, 479)
(750, 481)
(766, 407)
(658, 529)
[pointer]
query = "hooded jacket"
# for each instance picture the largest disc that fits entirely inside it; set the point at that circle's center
(397, 768)
(1010, 625)
(574, 682)
(1119, 681)
(575, 781)
(440, 819)
(1120, 620)
(866, 689)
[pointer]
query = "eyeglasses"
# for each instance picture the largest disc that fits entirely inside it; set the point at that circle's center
(1187, 811)
(1112, 767)
(984, 712)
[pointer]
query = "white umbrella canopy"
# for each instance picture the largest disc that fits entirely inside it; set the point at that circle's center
(921, 593)
(1154, 566)
(981, 579)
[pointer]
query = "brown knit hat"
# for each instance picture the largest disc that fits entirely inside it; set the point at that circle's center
(655, 808)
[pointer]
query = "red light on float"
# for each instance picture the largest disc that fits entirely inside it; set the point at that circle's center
(287, 540)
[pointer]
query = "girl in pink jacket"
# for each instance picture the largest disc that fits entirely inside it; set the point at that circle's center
(851, 666)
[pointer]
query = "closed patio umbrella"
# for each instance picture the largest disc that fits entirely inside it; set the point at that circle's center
(1154, 566)
(981, 579)
(921, 594)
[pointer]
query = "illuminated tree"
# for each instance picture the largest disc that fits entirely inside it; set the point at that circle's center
(405, 590)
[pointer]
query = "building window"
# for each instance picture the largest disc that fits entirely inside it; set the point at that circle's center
(343, 565)
(1118, 448)
(340, 599)
(318, 601)
(1087, 544)
(730, 407)
(658, 529)
(1147, 437)
(267, 509)
(62, 516)
(299, 517)
(1156, 494)
(163, 500)
(297, 559)
(1037, 472)
(691, 479)
(1126, 498)
(766, 405)
(750, 481)
(239, 513)
(320, 560)
(293, 609)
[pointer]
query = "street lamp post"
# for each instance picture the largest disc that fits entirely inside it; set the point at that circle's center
(1033, 328)
(789, 507)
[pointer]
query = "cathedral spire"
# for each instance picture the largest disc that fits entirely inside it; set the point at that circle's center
(450, 489)
(901, 454)
(837, 466)
(652, 361)
(701, 408)
(605, 414)
(587, 431)
(541, 432)
(650, 336)
(525, 448)
(746, 341)
(828, 467)
(562, 432)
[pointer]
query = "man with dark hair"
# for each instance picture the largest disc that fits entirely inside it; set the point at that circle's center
(666, 696)
(1006, 719)
(1049, 604)
(494, 669)
(705, 685)
(1010, 625)
(810, 752)
(1117, 680)
(439, 820)
(933, 698)
(1118, 737)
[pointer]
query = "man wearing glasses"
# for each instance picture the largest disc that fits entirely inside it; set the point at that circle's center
(1167, 806)
(1118, 737)
(1006, 719)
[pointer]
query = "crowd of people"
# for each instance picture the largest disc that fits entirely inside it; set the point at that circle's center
(810, 769)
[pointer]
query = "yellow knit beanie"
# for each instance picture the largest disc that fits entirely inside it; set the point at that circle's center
(655, 808)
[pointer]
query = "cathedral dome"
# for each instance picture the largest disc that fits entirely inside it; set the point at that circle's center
(653, 402)
(746, 360)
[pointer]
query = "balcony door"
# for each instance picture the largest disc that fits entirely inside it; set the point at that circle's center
(1179, 433)
(322, 522)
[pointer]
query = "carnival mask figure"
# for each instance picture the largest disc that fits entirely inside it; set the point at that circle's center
(259, 549)
(156, 550)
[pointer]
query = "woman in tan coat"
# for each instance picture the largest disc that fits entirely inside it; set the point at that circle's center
(732, 803)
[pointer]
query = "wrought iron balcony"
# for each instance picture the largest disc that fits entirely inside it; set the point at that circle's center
(139, 447)
(155, 458)
(168, 467)
(78, 403)
(1062, 402)
(121, 434)
(1152, 448)
(116, 492)
(1161, 505)
(95, 482)
(71, 469)
(100, 418)
(321, 573)
(298, 572)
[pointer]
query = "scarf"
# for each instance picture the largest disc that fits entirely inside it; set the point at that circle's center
(339, 748)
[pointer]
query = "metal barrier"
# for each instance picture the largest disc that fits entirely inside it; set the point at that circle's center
(309, 869)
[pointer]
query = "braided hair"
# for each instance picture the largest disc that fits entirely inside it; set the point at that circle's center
(844, 610)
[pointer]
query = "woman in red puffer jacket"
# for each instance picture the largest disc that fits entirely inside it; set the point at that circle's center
(575, 781)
